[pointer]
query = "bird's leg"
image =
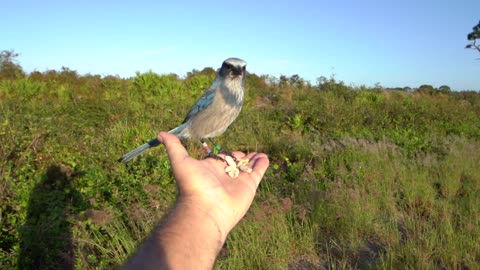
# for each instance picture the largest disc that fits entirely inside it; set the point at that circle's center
(218, 148)
(210, 154)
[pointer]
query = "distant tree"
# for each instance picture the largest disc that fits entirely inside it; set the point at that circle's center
(445, 89)
(426, 88)
(9, 67)
(210, 72)
(321, 82)
(324, 83)
(296, 81)
(283, 81)
(473, 36)
(378, 86)
(68, 75)
(36, 75)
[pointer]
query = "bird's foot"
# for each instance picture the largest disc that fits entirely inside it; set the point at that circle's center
(228, 153)
(217, 150)
(216, 157)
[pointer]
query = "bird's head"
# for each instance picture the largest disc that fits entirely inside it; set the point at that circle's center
(233, 68)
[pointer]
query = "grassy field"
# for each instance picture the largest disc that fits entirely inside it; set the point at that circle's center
(359, 178)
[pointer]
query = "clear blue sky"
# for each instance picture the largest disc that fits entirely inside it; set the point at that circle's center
(394, 43)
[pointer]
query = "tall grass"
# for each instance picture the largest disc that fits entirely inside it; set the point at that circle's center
(360, 178)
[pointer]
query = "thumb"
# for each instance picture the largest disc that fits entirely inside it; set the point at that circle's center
(175, 150)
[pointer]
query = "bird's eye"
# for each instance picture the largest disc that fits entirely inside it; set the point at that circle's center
(244, 68)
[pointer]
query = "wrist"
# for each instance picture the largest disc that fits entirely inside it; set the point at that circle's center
(189, 238)
(204, 217)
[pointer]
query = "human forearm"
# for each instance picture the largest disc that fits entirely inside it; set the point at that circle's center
(189, 238)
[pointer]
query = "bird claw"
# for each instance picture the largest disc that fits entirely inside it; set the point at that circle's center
(228, 154)
(216, 157)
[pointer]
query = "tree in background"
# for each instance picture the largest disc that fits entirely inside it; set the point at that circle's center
(445, 89)
(426, 89)
(474, 36)
(9, 67)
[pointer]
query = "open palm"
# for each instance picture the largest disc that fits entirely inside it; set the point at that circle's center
(205, 184)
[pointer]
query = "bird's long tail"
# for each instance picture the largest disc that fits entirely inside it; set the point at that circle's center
(137, 151)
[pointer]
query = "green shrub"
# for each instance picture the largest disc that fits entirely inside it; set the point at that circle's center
(359, 177)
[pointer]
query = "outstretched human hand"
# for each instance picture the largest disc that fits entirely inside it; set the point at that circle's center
(206, 185)
(209, 205)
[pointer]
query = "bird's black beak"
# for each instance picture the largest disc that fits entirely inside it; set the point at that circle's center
(237, 71)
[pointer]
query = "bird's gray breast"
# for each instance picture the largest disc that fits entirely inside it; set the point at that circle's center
(214, 120)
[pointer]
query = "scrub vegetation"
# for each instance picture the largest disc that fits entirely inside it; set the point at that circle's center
(360, 177)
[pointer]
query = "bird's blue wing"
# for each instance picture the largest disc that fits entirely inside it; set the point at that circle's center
(203, 102)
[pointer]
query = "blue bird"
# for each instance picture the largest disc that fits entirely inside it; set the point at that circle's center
(214, 112)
